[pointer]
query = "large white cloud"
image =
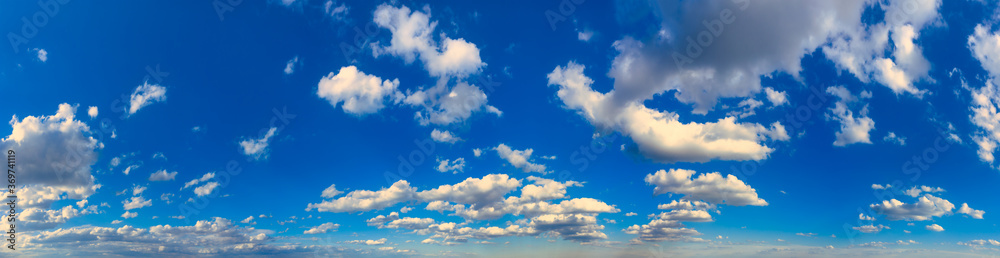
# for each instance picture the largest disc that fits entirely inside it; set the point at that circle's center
(413, 37)
(712, 187)
(661, 136)
(707, 50)
(57, 152)
(360, 93)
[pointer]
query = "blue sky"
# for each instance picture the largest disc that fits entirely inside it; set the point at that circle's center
(458, 128)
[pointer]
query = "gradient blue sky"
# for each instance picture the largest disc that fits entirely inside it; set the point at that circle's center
(287, 128)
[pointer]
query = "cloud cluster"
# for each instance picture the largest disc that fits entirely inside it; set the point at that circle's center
(413, 37)
(854, 128)
(712, 187)
(661, 136)
(218, 236)
(925, 208)
(985, 47)
(700, 194)
(486, 198)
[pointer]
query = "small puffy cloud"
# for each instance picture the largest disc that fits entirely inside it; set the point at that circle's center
(380, 241)
(520, 159)
(322, 228)
(290, 66)
(975, 214)
(337, 12)
(934, 227)
(453, 166)
(893, 138)
(145, 95)
(917, 190)
(248, 220)
(777, 98)
(196, 181)
(870, 228)
(162, 175)
(257, 148)
(584, 35)
(708, 187)
(331, 192)
(136, 203)
(129, 215)
(925, 208)
(42, 55)
(444, 136)
(206, 189)
(477, 152)
(137, 190)
(360, 93)
(92, 111)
